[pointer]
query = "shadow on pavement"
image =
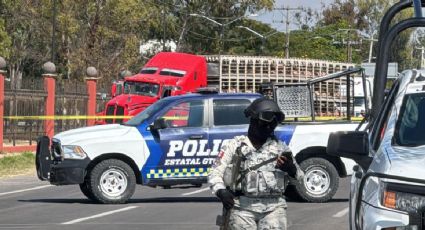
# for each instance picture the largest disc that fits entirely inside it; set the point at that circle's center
(158, 200)
(296, 200)
(131, 201)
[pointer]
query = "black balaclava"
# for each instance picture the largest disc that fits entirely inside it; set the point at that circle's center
(260, 130)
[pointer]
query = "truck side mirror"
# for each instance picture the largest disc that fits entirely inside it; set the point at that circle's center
(350, 144)
(177, 92)
(113, 89)
(117, 88)
(157, 125)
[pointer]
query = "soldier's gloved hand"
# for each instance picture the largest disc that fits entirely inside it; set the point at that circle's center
(226, 198)
(286, 164)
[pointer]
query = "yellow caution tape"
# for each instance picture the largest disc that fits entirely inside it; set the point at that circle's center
(175, 118)
(325, 118)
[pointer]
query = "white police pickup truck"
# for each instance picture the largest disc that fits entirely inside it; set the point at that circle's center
(175, 141)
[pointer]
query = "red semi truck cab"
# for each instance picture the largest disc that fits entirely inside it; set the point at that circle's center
(166, 74)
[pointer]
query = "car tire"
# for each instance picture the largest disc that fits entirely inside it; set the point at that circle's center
(291, 193)
(112, 181)
(320, 181)
(86, 190)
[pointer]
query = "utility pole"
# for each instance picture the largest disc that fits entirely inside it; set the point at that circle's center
(371, 39)
(287, 9)
(422, 56)
(349, 42)
(53, 31)
(163, 28)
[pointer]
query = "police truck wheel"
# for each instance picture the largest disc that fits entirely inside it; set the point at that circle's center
(112, 182)
(320, 181)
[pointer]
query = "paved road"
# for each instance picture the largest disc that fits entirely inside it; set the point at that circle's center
(26, 203)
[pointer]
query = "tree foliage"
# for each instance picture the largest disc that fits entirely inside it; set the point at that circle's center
(5, 41)
(107, 34)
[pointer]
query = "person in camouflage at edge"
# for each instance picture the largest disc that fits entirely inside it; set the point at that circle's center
(250, 172)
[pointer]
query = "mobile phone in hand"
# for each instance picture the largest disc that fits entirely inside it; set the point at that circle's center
(288, 155)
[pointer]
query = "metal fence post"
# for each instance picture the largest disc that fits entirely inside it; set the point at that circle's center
(2, 72)
(49, 76)
(91, 80)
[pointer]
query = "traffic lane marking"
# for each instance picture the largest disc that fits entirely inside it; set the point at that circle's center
(196, 191)
(99, 215)
(25, 226)
(341, 213)
(25, 190)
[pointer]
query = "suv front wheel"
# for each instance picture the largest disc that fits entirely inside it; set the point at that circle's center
(112, 181)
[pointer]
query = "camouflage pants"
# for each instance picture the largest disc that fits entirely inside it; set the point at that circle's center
(249, 220)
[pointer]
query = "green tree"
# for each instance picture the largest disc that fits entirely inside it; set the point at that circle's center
(202, 36)
(107, 34)
(320, 43)
(365, 16)
(5, 41)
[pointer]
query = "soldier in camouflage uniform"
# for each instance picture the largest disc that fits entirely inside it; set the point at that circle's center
(252, 189)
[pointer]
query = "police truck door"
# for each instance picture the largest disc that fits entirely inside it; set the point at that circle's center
(184, 142)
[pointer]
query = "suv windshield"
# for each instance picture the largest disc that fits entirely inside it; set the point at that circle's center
(411, 123)
(148, 112)
(141, 88)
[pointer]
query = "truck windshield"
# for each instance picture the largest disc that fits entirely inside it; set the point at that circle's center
(148, 112)
(141, 88)
(149, 70)
(172, 72)
(411, 123)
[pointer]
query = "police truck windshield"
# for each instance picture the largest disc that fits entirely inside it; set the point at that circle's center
(411, 124)
(141, 88)
(148, 112)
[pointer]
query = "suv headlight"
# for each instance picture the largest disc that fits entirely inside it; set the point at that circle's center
(73, 152)
(403, 197)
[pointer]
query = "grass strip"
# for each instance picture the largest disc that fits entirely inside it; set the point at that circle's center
(17, 164)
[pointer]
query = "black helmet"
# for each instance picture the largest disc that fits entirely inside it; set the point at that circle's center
(264, 109)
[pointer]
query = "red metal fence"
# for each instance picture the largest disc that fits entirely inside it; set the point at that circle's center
(41, 107)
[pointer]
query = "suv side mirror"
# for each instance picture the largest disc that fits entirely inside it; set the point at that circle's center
(157, 125)
(350, 144)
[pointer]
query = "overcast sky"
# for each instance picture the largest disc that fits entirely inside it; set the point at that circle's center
(274, 16)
